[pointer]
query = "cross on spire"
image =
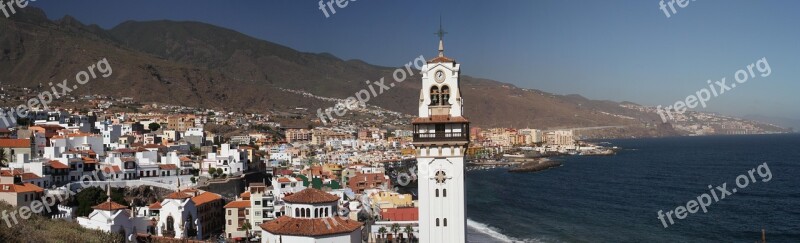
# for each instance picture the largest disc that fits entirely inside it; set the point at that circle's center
(441, 34)
(441, 31)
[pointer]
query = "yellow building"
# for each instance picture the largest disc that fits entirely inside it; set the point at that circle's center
(390, 199)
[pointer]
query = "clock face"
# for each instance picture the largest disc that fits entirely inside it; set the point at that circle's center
(439, 76)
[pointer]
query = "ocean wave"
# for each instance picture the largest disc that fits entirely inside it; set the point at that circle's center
(493, 234)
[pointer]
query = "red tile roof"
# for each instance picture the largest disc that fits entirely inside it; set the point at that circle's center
(441, 59)
(238, 204)
(311, 196)
(30, 176)
(206, 197)
(58, 165)
(25, 187)
(155, 205)
(178, 195)
(124, 150)
(400, 214)
(109, 206)
(110, 169)
(438, 119)
(310, 227)
(15, 143)
(168, 167)
(11, 172)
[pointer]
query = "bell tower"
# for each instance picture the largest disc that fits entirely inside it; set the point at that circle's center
(441, 137)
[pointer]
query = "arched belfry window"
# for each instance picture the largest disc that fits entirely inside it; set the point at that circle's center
(434, 95)
(445, 95)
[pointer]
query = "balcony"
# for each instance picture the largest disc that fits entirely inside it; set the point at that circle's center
(441, 130)
(441, 136)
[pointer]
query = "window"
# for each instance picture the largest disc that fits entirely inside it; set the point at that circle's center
(437, 222)
(229, 222)
(434, 95)
(229, 211)
(258, 202)
(437, 192)
(445, 95)
(445, 222)
(444, 192)
(258, 213)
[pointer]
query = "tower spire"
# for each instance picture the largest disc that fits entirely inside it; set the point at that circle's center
(108, 192)
(441, 34)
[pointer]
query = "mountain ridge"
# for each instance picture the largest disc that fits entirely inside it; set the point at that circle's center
(198, 64)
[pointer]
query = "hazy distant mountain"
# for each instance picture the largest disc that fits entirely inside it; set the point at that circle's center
(778, 121)
(197, 64)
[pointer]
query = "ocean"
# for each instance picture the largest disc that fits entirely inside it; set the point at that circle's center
(617, 198)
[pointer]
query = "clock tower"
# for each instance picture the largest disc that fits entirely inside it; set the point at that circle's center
(441, 137)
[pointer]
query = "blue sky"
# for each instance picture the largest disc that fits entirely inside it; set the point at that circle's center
(616, 50)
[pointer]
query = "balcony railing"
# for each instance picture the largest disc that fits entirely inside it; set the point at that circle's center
(441, 136)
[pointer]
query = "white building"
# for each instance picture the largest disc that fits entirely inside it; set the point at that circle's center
(441, 136)
(231, 161)
(112, 217)
(311, 217)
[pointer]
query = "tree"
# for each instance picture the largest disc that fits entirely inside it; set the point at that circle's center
(92, 196)
(410, 232)
(395, 229)
(212, 172)
(3, 157)
(246, 227)
(154, 126)
(382, 231)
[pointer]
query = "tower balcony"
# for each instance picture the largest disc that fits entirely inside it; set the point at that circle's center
(441, 129)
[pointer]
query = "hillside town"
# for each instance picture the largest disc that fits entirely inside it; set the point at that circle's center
(343, 176)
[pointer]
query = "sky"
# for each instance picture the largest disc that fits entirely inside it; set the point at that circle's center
(620, 50)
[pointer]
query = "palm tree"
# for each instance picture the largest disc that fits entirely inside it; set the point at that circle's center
(3, 157)
(395, 228)
(382, 231)
(410, 232)
(246, 227)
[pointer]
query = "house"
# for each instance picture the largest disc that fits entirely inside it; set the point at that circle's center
(15, 147)
(18, 193)
(231, 161)
(109, 216)
(363, 181)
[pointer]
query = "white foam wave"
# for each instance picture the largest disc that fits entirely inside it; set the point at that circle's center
(495, 233)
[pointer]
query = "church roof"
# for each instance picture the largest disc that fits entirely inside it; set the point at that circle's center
(109, 206)
(155, 205)
(311, 196)
(286, 225)
(441, 59)
(178, 195)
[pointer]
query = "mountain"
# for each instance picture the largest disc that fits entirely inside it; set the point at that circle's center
(201, 65)
(778, 121)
